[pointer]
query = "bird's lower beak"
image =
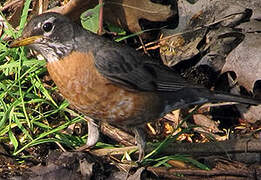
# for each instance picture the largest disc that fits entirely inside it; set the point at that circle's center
(24, 41)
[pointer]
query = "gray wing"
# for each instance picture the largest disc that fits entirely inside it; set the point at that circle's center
(133, 70)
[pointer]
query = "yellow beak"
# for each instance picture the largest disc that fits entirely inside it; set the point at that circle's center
(24, 41)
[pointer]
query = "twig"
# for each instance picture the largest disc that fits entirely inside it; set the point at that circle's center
(100, 18)
(215, 105)
(192, 30)
(113, 151)
(228, 148)
(11, 3)
(60, 146)
(233, 174)
(142, 44)
(213, 148)
(117, 134)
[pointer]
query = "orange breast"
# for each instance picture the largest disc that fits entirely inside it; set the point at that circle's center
(86, 89)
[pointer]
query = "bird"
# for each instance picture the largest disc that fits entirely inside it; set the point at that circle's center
(109, 81)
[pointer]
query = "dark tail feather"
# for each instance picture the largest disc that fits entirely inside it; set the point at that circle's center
(223, 97)
(192, 96)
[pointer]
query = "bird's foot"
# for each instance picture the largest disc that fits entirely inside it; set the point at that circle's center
(141, 142)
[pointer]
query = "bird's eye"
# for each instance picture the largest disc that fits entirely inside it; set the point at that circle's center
(47, 27)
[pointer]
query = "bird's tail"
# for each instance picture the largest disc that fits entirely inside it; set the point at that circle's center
(192, 96)
(225, 97)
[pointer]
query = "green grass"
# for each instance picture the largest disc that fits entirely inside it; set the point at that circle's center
(29, 115)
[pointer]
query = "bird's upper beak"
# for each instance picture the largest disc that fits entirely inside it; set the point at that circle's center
(25, 41)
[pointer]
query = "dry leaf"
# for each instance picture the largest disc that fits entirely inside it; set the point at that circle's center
(178, 164)
(245, 61)
(181, 48)
(219, 43)
(74, 8)
(39, 6)
(126, 13)
(16, 9)
(206, 123)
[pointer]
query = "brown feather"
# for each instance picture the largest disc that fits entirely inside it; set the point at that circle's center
(92, 94)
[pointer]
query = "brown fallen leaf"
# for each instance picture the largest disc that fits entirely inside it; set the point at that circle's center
(122, 13)
(126, 13)
(245, 61)
(181, 48)
(16, 10)
(251, 114)
(206, 124)
(75, 8)
(178, 164)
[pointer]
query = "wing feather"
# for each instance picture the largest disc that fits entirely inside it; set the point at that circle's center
(135, 71)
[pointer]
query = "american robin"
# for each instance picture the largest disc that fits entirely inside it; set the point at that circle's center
(109, 81)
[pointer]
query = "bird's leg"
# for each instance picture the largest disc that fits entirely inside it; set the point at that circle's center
(141, 142)
(93, 135)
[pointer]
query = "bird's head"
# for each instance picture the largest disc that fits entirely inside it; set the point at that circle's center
(51, 34)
